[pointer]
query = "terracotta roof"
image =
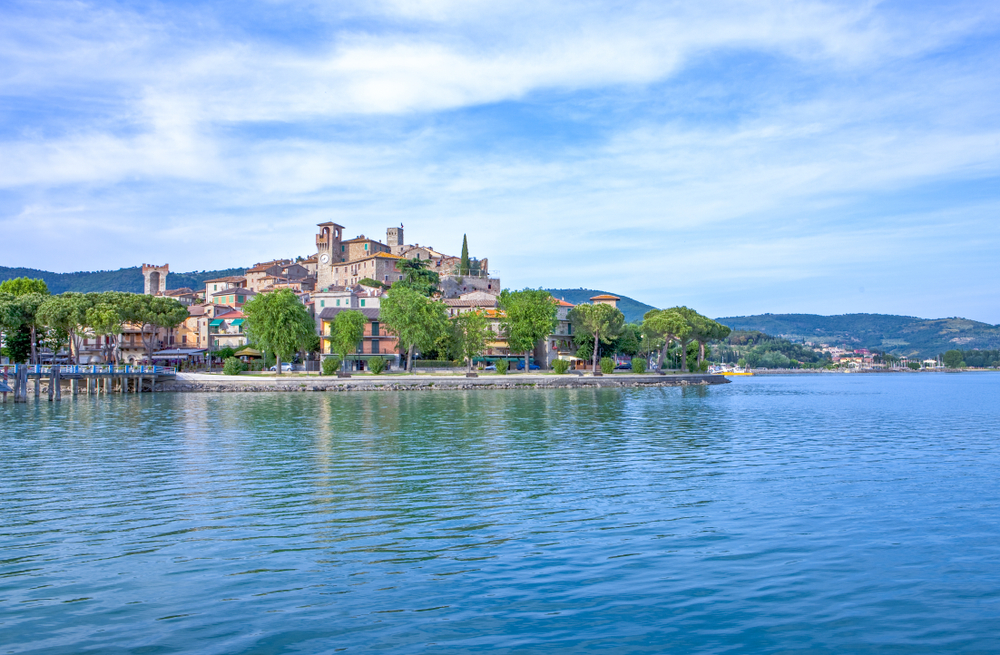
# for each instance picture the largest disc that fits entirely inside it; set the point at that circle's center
(232, 314)
(231, 278)
(605, 296)
(231, 290)
(563, 303)
(178, 292)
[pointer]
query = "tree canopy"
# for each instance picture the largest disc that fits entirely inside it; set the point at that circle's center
(417, 276)
(346, 332)
(528, 317)
(604, 322)
(278, 323)
(414, 318)
(469, 334)
(665, 326)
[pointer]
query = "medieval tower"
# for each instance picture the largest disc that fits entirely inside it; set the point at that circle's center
(330, 252)
(394, 239)
(154, 279)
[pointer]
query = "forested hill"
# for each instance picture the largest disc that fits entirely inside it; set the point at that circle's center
(125, 279)
(899, 335)
(633, 309)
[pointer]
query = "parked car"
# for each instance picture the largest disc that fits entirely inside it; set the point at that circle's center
(531, 367)
(491, 367)
(627, 366)
(285, 367)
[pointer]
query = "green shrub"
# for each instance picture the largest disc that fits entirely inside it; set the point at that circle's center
(607, 365)
(913, 366)
(638, 365)
(502, 365)
(560, 366)
(232, 366)
(330, 365)
(376, 365)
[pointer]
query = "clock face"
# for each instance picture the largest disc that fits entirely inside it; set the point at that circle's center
(325, 258)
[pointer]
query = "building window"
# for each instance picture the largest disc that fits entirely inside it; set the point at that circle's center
(240, 298)
(375, 328)
(374, 347)
(362, 302)
(338, 302)
(322, 303)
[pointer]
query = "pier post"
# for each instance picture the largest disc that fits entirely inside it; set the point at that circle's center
(52, 383)
(58, 378)
(21, 388)
(38, 385)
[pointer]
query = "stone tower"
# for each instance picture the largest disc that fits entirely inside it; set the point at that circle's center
(394, 239)
(329, 250)
(154, 279)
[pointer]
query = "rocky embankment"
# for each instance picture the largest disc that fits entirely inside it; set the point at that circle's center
(195, 382)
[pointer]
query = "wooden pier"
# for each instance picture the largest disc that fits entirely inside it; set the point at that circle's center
(89, 379)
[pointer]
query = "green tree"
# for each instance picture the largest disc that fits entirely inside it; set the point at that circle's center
(666, 326)
(603, 321)
(470, 331)
(417, 277)
(375, 284)
(346, 332)
(21, 286)
(629, 342)
(24, 298)
(465, 267)
(953, 359)
(528, 317)
(106, 318)
(279, 323)
(153, 313)
(414, 318)
(67, 312)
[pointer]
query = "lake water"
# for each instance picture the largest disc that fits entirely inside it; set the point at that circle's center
(819, 514)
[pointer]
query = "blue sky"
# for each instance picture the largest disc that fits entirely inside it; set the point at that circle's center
(735, 157)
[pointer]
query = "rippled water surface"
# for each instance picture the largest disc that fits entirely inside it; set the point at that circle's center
(817, 514)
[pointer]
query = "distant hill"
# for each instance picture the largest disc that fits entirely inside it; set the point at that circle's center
(899, 335)
(124, 279)
(633, 309)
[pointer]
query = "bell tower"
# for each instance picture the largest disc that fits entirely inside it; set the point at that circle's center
(328, 247)
(154, 279)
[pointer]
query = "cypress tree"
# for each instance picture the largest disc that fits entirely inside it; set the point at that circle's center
(465, 267)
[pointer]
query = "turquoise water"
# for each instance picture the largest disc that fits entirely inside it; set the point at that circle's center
(820, 514)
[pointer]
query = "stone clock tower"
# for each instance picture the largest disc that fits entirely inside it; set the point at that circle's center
(328, 246)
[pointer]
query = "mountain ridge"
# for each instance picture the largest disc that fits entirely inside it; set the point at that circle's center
(898, 335)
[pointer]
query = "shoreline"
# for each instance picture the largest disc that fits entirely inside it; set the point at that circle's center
(206, 383)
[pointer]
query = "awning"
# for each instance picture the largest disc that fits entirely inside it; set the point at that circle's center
(247, 351)
(179, 353)
(217, 322)
(238, 321)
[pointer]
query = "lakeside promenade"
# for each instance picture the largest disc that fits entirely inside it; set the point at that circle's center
(204, 382)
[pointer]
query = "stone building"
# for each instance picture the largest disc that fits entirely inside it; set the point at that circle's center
(380, 267)
(154, 279)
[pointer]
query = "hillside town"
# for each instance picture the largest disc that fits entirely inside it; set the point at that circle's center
(340, 275)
